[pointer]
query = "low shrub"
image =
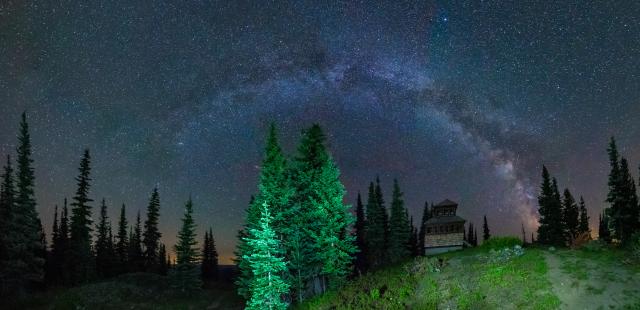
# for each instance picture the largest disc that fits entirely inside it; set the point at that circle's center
(505, 254)
(497, 243)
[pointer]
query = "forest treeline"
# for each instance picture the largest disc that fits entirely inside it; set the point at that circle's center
(82, 251)
(563, 220)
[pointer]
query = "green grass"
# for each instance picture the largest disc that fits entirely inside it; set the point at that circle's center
(469, 280)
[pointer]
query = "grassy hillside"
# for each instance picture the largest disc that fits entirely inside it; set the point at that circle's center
(491, 277)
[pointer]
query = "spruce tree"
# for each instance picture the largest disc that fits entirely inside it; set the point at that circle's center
(186, 277)
(7, 206)
(583, 226)
(151, 236)
(360, 231)
(399, 232)
(470, 235)
(25, 244)
(319, 195)
(604, 232)
(81, 256)
(52, 265)
(413, 240)
(163, 267)
(122, 243)
(524, 236)
(376, 234)
(551, 230)
(103, 258)
(135, 254)
(62, 248)
(486, 234)
(426, 215)
(209, 264)
(267, 288)
(244, 270)
(571, 214)
(475, 237)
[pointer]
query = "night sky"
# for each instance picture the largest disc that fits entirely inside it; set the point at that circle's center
(457, 99)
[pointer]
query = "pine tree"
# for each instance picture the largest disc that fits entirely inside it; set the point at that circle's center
(101, 247)
(122, 243)
(413, 240)
(376, 230)
(583, 226)
(571, 214)
(604, 232)
(151, 236)
(470, 235)
(360, 231)
(486, 234)
(399, 232)
(245, 274)
(7, 206)
(551, 230)
(62, 248)
(163, 266)
(524, 236)
(209, 264)
(52, 265)
(135, 254)
(26, 260)
(475, 237)
(319, 194)
(267, 288)
(186, 277)
(533, 240)
(81, 256)
(426, 215)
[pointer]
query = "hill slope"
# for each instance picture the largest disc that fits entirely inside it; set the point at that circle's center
(480, 278)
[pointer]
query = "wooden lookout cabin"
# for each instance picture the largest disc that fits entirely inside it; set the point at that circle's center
(444, 230)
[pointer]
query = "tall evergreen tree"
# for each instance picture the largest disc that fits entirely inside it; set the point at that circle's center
(399, 232)
(209, 264)
(52, 265)
(475, 237)
(7, 206)
(604, 232)
(186, 277)
(244, 270)
(62, 248)
(623, 213)
(486, 233)
(470, 235)
(103, 258)
(360, 231)
(319, 194)
(524, 236)
(583, 226)
(122, 243)
(426, 215)
(151, 236)
(162, 260)
(135, 254)
(25, 244)
(81, 256)
(267, 288)
(551, 230)
(413, 240)
(376, 230)
(571, 214)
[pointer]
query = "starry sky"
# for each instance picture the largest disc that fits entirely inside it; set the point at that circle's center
(457, 99)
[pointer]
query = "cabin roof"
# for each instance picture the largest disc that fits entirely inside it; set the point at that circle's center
(445, 219)
(446, 203)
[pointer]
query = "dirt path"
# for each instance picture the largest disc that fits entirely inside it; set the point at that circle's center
(583, 283)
